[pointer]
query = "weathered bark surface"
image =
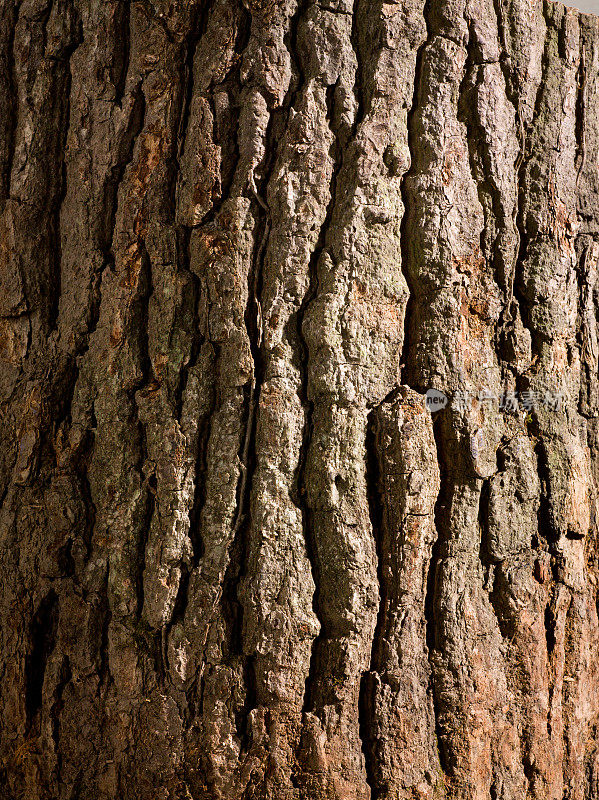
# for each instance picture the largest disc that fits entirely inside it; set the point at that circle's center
(238, 243)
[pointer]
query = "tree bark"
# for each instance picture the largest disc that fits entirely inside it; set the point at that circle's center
(239, 243)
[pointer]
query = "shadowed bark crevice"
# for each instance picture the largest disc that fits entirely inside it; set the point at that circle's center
(44, 626)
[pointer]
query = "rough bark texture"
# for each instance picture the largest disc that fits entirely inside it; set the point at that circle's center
(238, 243)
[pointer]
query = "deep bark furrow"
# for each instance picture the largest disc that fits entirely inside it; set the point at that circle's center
(9, 18)
(308, 402)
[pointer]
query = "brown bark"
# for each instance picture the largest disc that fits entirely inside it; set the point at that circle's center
(239, 242)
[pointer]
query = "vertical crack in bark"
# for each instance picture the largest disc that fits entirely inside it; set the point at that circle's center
(310, 296)
(366, 709)
(121, 63)
(504, 55)
(408, 375)
(199, 28)
(104, 660)
(188, 89)
(545, 523)
(298, 79)
(107, 214)
(11, 108)
(414, 381)
(586, 325)
(247, 459)
(146, 378)
(201, 467)
(126, 150)
(359, 89)
(484, 555)
(580, 113)
(43, 630)
(441, 522)
(487, 563)
(199, 340)
(508, 314)
(521, 172)
(229, 164)
(183, 238)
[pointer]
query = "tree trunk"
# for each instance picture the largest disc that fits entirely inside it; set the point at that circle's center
(242, 559)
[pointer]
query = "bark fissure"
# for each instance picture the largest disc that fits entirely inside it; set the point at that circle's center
(309, 297)
(441, 517)
(43, 640)
(11, 100)
(367, 714)
(407, 375)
